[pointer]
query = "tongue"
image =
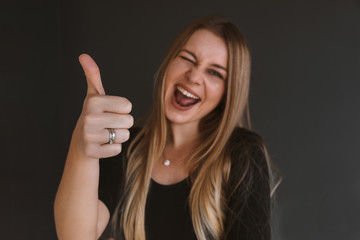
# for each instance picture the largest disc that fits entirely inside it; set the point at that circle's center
(184, 101)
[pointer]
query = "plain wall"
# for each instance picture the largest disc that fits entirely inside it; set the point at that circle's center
(304, 98)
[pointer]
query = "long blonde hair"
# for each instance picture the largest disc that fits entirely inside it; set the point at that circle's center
(209, 166)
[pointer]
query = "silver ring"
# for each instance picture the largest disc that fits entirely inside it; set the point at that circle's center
(111, 135)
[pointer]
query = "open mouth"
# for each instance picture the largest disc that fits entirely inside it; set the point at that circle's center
(185, 98)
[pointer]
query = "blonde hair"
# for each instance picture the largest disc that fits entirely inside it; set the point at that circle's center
(209, 166)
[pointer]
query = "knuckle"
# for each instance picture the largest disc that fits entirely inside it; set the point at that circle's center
(126, 120)
(119, 148)
(93, 101)
(127, 135)
(116, 149)
(130, 120)
(129, 106)
(88, 121)
(126, 105)
(124, 135)
(89, 101)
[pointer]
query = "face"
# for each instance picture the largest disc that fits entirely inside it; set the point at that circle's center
(196, 78)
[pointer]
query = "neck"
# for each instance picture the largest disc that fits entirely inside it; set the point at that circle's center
(183, 134)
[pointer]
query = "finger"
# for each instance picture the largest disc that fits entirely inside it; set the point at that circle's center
(109, 150)
(96, 122)
(92, 74)
(121, 136)
(95, 150)
(113, 104)
(113, 120)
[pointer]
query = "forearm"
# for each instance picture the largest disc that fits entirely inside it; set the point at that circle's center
(78, 212)
(76, 202)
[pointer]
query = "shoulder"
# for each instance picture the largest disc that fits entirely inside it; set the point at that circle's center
(249, 169)
(242, 136)
(245, 143)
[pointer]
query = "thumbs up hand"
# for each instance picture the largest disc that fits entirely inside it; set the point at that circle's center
(99, 114)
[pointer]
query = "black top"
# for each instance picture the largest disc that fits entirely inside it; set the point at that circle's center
(167, 214)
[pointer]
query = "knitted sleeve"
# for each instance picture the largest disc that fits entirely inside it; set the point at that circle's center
(248, 215)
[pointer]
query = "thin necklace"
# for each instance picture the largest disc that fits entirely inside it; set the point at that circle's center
(167, 162)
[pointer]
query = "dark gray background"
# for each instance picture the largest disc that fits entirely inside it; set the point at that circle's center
(304, 98)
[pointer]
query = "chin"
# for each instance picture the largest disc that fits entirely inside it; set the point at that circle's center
(177, 118)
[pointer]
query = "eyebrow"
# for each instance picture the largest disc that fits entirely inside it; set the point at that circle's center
(194, 56)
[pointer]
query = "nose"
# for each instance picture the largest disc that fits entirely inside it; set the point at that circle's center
(195, 75)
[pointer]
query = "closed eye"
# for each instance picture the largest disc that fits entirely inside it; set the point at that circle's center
(187, 59)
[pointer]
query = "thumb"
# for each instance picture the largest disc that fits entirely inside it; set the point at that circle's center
(92, 74)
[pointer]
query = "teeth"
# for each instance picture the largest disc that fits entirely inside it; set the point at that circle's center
(186, 93)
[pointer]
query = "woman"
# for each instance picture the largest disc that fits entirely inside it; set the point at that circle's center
(193, 171)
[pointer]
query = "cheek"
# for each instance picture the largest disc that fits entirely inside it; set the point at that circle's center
(216, 91)
(175, 67)
(170, 75)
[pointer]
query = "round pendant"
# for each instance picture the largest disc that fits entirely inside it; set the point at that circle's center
(166, 162)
